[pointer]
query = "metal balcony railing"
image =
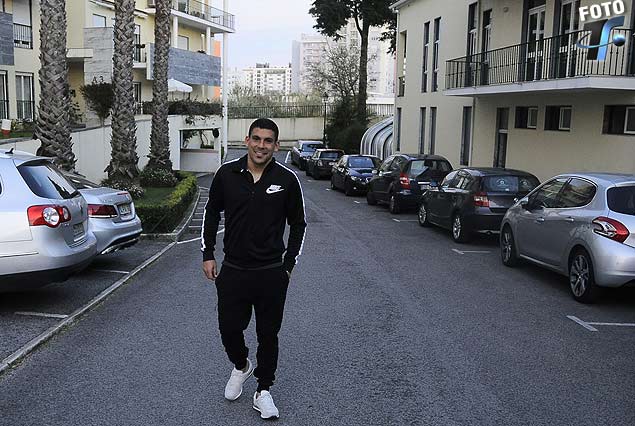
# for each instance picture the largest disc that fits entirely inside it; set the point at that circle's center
(546, 59)
(26, 110)
(22, 36)
(4, 108)
(140, 53)
(201, 10)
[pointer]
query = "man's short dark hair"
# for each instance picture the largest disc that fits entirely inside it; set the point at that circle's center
(265, 123)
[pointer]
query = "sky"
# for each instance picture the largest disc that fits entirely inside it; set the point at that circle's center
(265, 30)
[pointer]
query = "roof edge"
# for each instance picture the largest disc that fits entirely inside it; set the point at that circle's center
(399, 3)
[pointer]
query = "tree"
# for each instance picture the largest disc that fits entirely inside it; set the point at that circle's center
(332, 15)
(52, 124)
(99, 97)
(159, 134)
(124, 158)
(339, 72)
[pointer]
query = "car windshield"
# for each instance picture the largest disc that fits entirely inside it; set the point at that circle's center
(311, 147)
(330, 155)
(508, 183)
(79, 182)
(419, 166)
(622, 199)
(362, 163)
(46, 181)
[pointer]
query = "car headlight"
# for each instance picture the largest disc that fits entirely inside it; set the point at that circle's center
(356, 178)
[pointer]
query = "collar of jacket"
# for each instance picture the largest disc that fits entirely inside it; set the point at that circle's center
(241, 165)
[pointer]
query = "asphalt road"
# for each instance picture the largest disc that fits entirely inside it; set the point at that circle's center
(385, 324)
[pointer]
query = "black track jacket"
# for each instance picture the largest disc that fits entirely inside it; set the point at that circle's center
(255, 216)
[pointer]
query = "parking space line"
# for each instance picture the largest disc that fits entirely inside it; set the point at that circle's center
(286, 159)
(589, 325)
(113, 271)
(404, 220)
(357, 202)
(202, 187)
(582, 323)
(328, 189)
(42, 314)
(309, 180)
(471, 251)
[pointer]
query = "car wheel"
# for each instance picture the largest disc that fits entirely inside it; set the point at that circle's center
(348, 188)
(422, 215)
(460, 233)
(393, 205)
(582, 278)
(333, 187)
(300, 166)
(370, 198)
(315, 174)
(306, 171)
(509, 255)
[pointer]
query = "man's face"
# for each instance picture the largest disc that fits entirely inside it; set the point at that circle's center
(261, 145)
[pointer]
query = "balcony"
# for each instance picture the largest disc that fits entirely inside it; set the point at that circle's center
(554, 63)
(22, 36)
(200, 15)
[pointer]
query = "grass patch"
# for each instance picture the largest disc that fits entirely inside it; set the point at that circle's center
(13, 135)
(154, 196)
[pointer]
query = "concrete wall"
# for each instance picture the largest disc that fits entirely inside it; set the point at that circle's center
(291, 129)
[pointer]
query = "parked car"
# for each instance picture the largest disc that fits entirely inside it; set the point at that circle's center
(112, 216)
(44, 236)
(351, 173)
(474, 199)
(402, 178)
(321, 162)
(302, 150)
(580, 225)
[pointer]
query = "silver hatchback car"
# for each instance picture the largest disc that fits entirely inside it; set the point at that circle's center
(44, 235)
(581, 225)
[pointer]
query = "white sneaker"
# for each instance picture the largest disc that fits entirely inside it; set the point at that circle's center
(234, 386)
(264, 404)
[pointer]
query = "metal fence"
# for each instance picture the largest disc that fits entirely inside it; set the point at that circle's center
(546, 59)
(300, 111)
(203, 11)
(22, 36)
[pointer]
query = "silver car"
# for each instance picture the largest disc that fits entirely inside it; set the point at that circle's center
(44, 236)
(580, 225)
(112, 215)
(302, 150)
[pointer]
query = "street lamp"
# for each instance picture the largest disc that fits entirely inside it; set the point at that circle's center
(325, 98)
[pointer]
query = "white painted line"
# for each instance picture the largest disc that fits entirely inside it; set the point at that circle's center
(113, 271)
(188, 241)
(357, 202)
(221, 231)
(582, 323)
(286, 159)
(471, 251)
(195, 226)
(396, 220)
(328, 189)
(197, 220)
(615, 324)
(25, 350)
(42, 314)
(202, 187)
(309, 180)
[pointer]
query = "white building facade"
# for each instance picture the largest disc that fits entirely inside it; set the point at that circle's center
(264, 79)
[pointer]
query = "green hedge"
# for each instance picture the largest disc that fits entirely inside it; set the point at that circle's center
(164, 217)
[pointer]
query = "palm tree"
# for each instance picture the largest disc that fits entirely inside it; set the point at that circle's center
(124, 158)
(53, 124)
(159, 135)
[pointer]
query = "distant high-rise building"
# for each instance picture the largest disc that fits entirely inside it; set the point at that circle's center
(265, 79)
(309, 50)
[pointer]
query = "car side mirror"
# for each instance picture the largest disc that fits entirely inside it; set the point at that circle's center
(525, 205)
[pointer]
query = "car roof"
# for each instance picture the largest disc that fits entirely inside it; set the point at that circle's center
(424, 157)
(20, 157)
(604, 179)
(328, 150)
(308, 142)
(494, 171)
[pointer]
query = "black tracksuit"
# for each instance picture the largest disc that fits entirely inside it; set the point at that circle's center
(254, 272)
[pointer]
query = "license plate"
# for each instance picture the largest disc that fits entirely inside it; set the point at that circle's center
(78, 230)
(125, 209)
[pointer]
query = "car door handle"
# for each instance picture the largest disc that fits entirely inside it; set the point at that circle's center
(569, 219)
(540, 219)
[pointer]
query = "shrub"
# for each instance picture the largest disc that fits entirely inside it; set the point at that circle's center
(99, 97)
(164, 217)
(135, 190)
(158, 178)
(343, 129)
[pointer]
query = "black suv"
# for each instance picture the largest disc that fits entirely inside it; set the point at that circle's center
(474, 199)
(402, 178)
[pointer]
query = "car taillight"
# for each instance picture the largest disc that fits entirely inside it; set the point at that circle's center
(101, 211)
(610, 228)
(404, 180)
(480, 199)
(49, 215)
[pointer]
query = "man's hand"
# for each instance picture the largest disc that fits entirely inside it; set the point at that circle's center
(209, 267)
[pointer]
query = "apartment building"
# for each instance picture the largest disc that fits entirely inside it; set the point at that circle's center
(264, 79)
(510, 83)
(305, 53)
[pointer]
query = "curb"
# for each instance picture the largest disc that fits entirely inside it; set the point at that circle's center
(17, 356)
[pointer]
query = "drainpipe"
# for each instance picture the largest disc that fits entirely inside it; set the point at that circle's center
(208, 50)
(224, 83)
(175, 31)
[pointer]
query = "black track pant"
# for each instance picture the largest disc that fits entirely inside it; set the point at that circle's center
(238, 291)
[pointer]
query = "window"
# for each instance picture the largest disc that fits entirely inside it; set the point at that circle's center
(558, 118)
(466, 135)
(398, 128)
(576, 193)
(24, 96)
(619, 120)
(486, 30)
(471, 29)
(509, 183)
(99, 21)
(422, 130)
(183, 43)
(426, 48)
(46, 181)
(435, 55)
(526, 117)
(433, 129)
(547, 195)
(621, 199)
(386, 164)
(448, 179)
(398, 164)
(4, 96)
(136, 90)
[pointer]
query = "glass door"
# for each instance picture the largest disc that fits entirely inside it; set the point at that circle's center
(535, 43)
(500, 148)
(567, 50)
(24, 96)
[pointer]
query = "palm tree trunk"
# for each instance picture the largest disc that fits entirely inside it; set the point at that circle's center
(159, 135)
(124, 158)
(52, 123)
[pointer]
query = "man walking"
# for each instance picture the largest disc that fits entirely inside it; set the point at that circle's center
(257, 195)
